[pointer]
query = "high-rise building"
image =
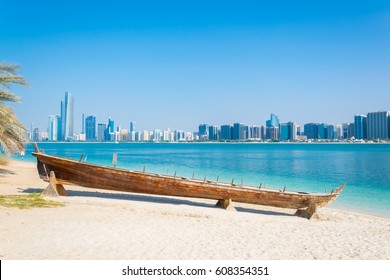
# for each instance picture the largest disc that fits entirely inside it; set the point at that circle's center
(144, 136)
(203, 132)
(378, 125)
(351, 130)
(339, 131)
(36, 135)
(82, 123)
(67, 117)
(31, 133)
(90, 128)
(263, 133)
(123, 135)
(101, 132)
(330, 132)
(288, 131)
(213, 133)
(311, 130)
(273, 121)
(345, 127)
(226, 132)
(110, 131)
(255, 132)
(322, 131)
(360, 126)
(240, 132)
(132, 131)
(53, 128)
(272, 128)
(132, 127)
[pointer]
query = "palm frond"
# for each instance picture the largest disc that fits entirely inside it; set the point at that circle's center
(12, 131)
(8, 96)
(8, 68)
(6, 80)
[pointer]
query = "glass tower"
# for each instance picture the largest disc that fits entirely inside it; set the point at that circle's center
(67, 117)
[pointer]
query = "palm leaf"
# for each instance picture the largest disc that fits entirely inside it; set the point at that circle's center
(8, 96)
(6, 68)
(6, 80)
(12, 131)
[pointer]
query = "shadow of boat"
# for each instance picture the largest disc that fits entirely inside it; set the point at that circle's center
(156, 199)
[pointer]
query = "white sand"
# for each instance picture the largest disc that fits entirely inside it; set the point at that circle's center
(112, 225)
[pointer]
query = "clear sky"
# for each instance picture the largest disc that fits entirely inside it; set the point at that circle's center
(177, 64)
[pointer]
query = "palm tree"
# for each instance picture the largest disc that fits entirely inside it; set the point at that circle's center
(12, 131)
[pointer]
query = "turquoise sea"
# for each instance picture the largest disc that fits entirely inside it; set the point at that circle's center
(303, 167)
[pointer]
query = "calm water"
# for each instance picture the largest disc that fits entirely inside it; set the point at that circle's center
(305, 167)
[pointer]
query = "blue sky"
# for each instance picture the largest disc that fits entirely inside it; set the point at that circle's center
(181, 63)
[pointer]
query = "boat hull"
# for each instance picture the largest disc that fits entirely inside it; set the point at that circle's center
(83, 174)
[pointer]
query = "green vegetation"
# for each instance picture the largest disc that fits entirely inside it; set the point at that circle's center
(33, 200)
(12, 131)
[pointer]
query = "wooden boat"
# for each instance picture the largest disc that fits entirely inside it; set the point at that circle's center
(59, 171)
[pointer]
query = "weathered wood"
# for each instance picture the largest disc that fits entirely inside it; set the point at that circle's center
(308, 213)
(225, 204)
(54, 188)
(94, 176)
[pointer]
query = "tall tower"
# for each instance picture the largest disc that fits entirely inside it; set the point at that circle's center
(378, 125)
(90, 128)
(82, 123)
(132, 126)
(67, 117)
(53, 127)
(360, 127)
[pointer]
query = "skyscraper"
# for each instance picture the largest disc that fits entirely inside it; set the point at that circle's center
(360, 127)
(82, 123)
(240, 132)
(330, 132)
(273, 121)
(322, 131)
(213, 133)
(67, 117)
(346, 131)
(272, 127)
(255, 132)
(311, 130)
(203, 132)
(288, 131)
(132, 126)
(90, 128)
(378, 125)
(109, 134)
(53, 128)
(226, 132)
(132, 131)
(101, 132)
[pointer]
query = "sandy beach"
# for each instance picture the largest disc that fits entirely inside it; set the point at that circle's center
(105, 225)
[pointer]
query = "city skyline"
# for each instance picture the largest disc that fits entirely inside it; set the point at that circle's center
(176, 64)
(372, 126)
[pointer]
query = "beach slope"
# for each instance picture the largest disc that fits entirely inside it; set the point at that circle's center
(112, 225)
